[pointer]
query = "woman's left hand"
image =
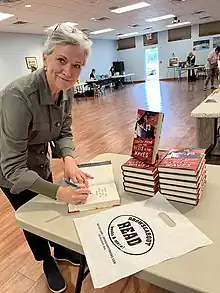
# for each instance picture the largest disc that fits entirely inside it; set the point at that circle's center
(72, 171)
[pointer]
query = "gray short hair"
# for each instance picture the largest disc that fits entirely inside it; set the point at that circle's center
(67, 34)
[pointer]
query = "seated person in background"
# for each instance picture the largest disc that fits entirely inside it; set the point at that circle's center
(92, 74)
(190, 61)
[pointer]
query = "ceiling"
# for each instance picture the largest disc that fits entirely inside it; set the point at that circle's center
(43, 14)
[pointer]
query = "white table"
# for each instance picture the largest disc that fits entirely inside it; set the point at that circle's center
(195, 272)
(80, 88)
(181, 70)
(130, 75)
(207, 114)
(110, 78)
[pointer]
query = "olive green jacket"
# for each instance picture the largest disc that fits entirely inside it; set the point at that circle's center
(28, 121)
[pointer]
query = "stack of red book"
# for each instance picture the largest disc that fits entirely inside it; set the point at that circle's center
(140, 177)
(182, 175)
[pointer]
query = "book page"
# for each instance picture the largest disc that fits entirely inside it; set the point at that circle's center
(102, 172)
(101, 195)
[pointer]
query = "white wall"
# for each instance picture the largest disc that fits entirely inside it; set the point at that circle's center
(104, 52)
(13, 50)
(15, 47)
(135, 58)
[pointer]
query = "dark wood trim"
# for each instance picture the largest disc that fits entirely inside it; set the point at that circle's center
(135, 81)
(172, 79)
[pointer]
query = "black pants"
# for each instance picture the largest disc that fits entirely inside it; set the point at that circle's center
(38, 245)
(191, 75)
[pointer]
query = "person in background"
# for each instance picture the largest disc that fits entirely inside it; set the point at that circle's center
(92, 74)
(212, 67)
(35, 110)
(112, 70)
(190, 62)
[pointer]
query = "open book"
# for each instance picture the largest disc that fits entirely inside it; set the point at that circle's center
(103, 188)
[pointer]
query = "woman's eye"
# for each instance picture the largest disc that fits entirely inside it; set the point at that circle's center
(77, 66)
(61, 60)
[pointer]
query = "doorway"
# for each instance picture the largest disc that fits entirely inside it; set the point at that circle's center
(152, 64)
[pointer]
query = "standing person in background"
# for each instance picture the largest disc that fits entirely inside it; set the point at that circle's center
(212, 68)
(92, 74)
(112, 70)
(35, 110)
(190, 62)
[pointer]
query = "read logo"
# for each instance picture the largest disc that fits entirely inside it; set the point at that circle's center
(131, 235)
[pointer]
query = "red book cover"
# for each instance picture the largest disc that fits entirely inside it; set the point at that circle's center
(147, 135)
(134, 163)
(183, 158)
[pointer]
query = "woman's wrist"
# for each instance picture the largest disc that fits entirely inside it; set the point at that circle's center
(69, 159)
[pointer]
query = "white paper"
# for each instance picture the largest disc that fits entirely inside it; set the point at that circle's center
(125, 240)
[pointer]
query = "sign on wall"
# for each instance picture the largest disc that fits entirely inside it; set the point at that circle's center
(216, 42)
(201, 45)
(31, 62)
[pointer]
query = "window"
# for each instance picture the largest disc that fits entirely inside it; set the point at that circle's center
(128, 43)
(178, 34)
(209, 29)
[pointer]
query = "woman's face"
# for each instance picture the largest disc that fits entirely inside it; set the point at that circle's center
(64, 65)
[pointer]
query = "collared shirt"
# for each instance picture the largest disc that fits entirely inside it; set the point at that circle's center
(212, 59)
(29, 120)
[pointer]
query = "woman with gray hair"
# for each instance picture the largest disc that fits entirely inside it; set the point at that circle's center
(35, 110)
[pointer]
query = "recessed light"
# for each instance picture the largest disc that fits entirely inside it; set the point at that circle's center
(106, 30)
(160, 18)
(28, 6)
(130, 7)
(179, 24)
(128, 35)
(4, 16)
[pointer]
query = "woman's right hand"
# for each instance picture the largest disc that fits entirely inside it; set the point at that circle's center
(72, 195)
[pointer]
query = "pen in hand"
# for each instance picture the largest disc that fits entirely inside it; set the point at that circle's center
(72, 184)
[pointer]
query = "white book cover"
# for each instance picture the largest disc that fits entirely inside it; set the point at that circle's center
(104, 192)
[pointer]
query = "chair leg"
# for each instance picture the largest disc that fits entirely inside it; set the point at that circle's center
(81, 274)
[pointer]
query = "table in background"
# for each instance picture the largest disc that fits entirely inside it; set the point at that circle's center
(195, 272)
(102, 82)
(181, 70)
(79, 88)
(207, 114)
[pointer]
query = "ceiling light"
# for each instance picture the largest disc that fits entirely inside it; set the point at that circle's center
(106, 30)
(4, 16)
(130, 7)
(178, 24)
(28, 6)
(53, 26)
(128, 35)
(160, 18)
